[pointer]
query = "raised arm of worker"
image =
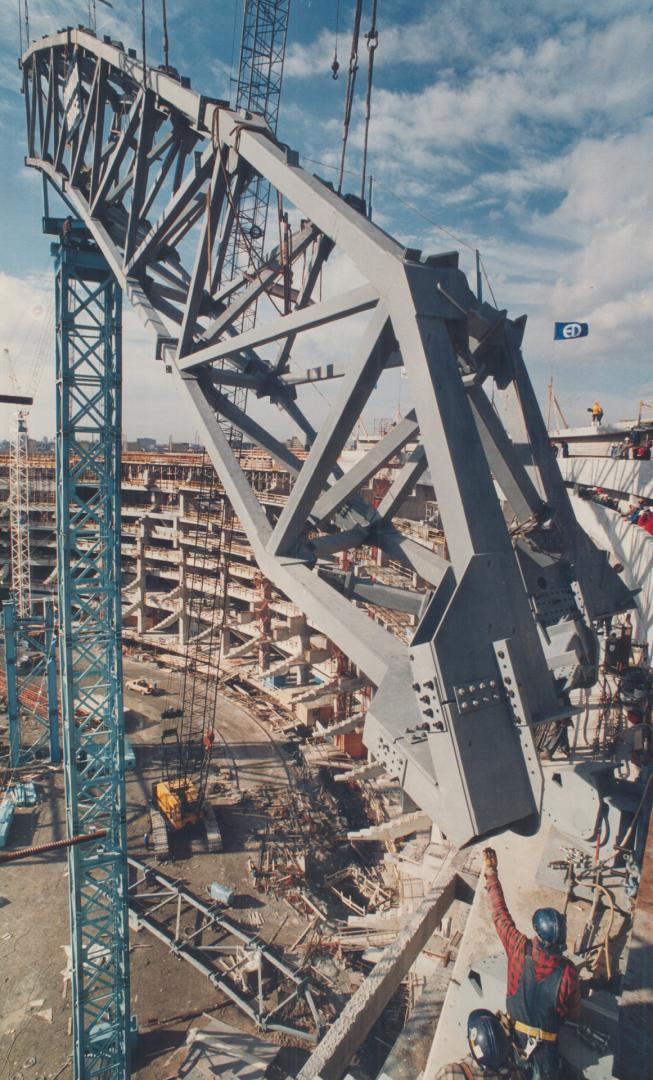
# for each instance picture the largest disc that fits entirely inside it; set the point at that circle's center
(514, 942)
(510, 937)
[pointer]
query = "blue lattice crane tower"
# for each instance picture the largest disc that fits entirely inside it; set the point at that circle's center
(88, 401)
(31, 673)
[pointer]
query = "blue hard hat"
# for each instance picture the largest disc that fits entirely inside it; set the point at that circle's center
(487, 1039)
(551, 928)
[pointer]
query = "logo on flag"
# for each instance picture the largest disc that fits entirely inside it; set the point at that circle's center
(565, 331)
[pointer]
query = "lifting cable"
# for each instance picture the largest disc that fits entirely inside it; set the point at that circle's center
(335, 66)
(143, 40)
(372, 38)
(166, 43)
(351, 86)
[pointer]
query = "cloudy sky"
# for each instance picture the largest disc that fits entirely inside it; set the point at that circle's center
(526, 130)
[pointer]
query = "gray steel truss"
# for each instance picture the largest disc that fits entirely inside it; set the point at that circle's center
(155, 171)
(199, 932)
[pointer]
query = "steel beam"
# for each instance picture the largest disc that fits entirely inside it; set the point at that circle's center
(228, 409)
(410, 553)
(380, 454)
(360, 299)
(402, 486)
(508, 471)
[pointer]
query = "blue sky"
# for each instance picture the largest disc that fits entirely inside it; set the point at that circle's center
(526, 130)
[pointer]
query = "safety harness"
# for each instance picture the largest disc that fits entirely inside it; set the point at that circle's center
(535, 1001)
(535, 1033)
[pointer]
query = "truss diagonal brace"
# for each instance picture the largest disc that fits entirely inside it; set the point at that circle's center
(338, 494)
(508, 471)
(375, 347)
(370, 647)
(360, 299)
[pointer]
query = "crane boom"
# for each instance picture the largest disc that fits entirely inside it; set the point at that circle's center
(187, 746)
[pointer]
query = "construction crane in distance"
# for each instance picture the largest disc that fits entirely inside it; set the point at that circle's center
(179, 804)
(21, 582)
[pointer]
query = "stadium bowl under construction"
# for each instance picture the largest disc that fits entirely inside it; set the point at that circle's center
(268, 697)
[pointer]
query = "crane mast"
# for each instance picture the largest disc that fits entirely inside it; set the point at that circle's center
(260, 74)
(28, 627)
(21, 584)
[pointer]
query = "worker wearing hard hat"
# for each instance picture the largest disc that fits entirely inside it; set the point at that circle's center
(490, 1055)
(597, 413)
(543, 986)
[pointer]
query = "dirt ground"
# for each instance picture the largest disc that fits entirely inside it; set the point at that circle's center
(34, 902)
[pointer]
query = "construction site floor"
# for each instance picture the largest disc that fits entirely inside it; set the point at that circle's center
(167, 994)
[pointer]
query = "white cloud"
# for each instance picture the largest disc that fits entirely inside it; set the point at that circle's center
(575, 80)
(527, 134)
(305, 61)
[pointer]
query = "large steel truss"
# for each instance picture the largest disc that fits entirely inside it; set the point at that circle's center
(197, 931)
(88, 311)
(156, 171)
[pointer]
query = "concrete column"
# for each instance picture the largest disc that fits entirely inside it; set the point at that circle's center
(182, 625)
(141, 579)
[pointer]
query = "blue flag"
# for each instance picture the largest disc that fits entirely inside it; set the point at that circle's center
(565, 331)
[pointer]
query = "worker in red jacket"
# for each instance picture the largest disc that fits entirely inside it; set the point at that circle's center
(543, 987)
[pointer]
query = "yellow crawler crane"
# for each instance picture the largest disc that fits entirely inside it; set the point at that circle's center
(176, 808)
(178, 801)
